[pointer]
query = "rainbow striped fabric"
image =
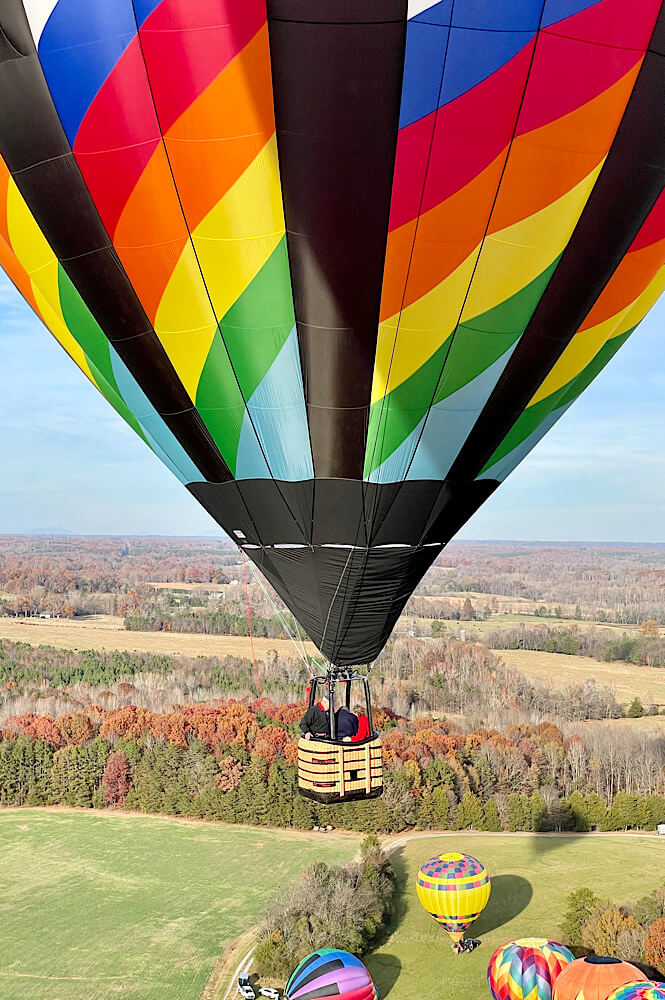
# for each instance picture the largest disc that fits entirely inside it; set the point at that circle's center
(526, 969)
(330, 972)
(340, 265)
(639, 991)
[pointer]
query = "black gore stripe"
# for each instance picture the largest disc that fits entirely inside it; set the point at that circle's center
(337, 77)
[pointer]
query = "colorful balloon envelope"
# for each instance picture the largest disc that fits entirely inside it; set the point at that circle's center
(340, 265)
(594, 978)
(526, 969)
(639, 991)
(330, 972)
(454, 889)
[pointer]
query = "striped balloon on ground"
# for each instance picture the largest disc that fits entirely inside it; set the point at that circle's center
(639, 991)
(330, 972)
(454, 889)
(526, 969)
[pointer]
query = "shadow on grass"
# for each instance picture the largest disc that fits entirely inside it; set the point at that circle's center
(541, 845)
(384, 970)
(510, 895)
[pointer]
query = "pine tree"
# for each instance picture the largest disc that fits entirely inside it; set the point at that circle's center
(470, 813)
(492, 819)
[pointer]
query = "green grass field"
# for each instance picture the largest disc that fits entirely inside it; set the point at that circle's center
(135, 907)
(530, 879)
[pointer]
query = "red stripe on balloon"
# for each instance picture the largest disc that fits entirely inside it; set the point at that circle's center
(469, 133)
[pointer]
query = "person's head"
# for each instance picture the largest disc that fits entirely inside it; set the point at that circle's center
(325, 702)
(358, 709)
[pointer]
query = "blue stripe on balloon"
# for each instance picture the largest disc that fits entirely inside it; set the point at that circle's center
(81, 43)
(324, 956)
(559, 10)
(279, 418)
(144, 9)
(159, 436)
(431, 448)
(484, 36)
(423, 64)
(504, 466)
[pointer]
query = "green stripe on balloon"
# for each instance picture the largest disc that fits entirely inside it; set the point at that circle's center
(89, 336)
(531, 418)
(254, 330)
(257, 326)
(482, 341)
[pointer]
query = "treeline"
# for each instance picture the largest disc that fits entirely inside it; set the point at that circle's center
(64, 564)
(237, 763)
(631, 932)
(601, 644)
(347, 907)
(209, 623)
(614, 583)
(409, 678)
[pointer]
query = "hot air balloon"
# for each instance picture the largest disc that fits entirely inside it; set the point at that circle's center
(594, 978)
(454, 889)
(526, 969)
(339, 265)
(639, 991)
(331, 973)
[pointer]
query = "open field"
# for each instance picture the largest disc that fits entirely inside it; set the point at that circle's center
(107, 632)
(628, 680)
(98, 906)
(530, 878)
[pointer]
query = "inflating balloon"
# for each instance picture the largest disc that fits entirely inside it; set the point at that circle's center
(339, 265)
(594, 978)
(331, 973)
(526, 969)
(454, 889)
(639, 991)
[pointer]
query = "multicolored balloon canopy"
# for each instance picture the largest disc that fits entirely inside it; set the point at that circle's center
(526, 969)
(331, 973)
(340, 265)
(594, 978)
(639, 991)
(454, 889)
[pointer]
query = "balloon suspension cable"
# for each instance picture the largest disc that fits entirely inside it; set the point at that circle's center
(297, 640)
(249, 627)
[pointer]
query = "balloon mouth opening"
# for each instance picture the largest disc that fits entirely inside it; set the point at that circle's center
(602, 960)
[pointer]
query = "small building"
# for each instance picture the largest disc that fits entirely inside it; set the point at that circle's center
(661, 829)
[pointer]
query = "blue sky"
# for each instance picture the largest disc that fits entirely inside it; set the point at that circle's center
(68, 461)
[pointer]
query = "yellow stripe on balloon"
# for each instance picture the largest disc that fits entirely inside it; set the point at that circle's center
(509, 260)
(586, 343)
(35, 255)
(230, 246)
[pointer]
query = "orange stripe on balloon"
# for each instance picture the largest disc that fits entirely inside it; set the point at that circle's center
(552, 159)
(10, 263)
(446, 235)
(630, 279)
(543, 166)
(152, 233)
(211, 145)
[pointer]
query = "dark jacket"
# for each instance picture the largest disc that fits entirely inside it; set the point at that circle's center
(347, 723)
(315, 721)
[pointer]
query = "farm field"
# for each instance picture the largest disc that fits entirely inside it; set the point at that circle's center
(559, 669)
(530, 878)
(107, 632)
(97, 906)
